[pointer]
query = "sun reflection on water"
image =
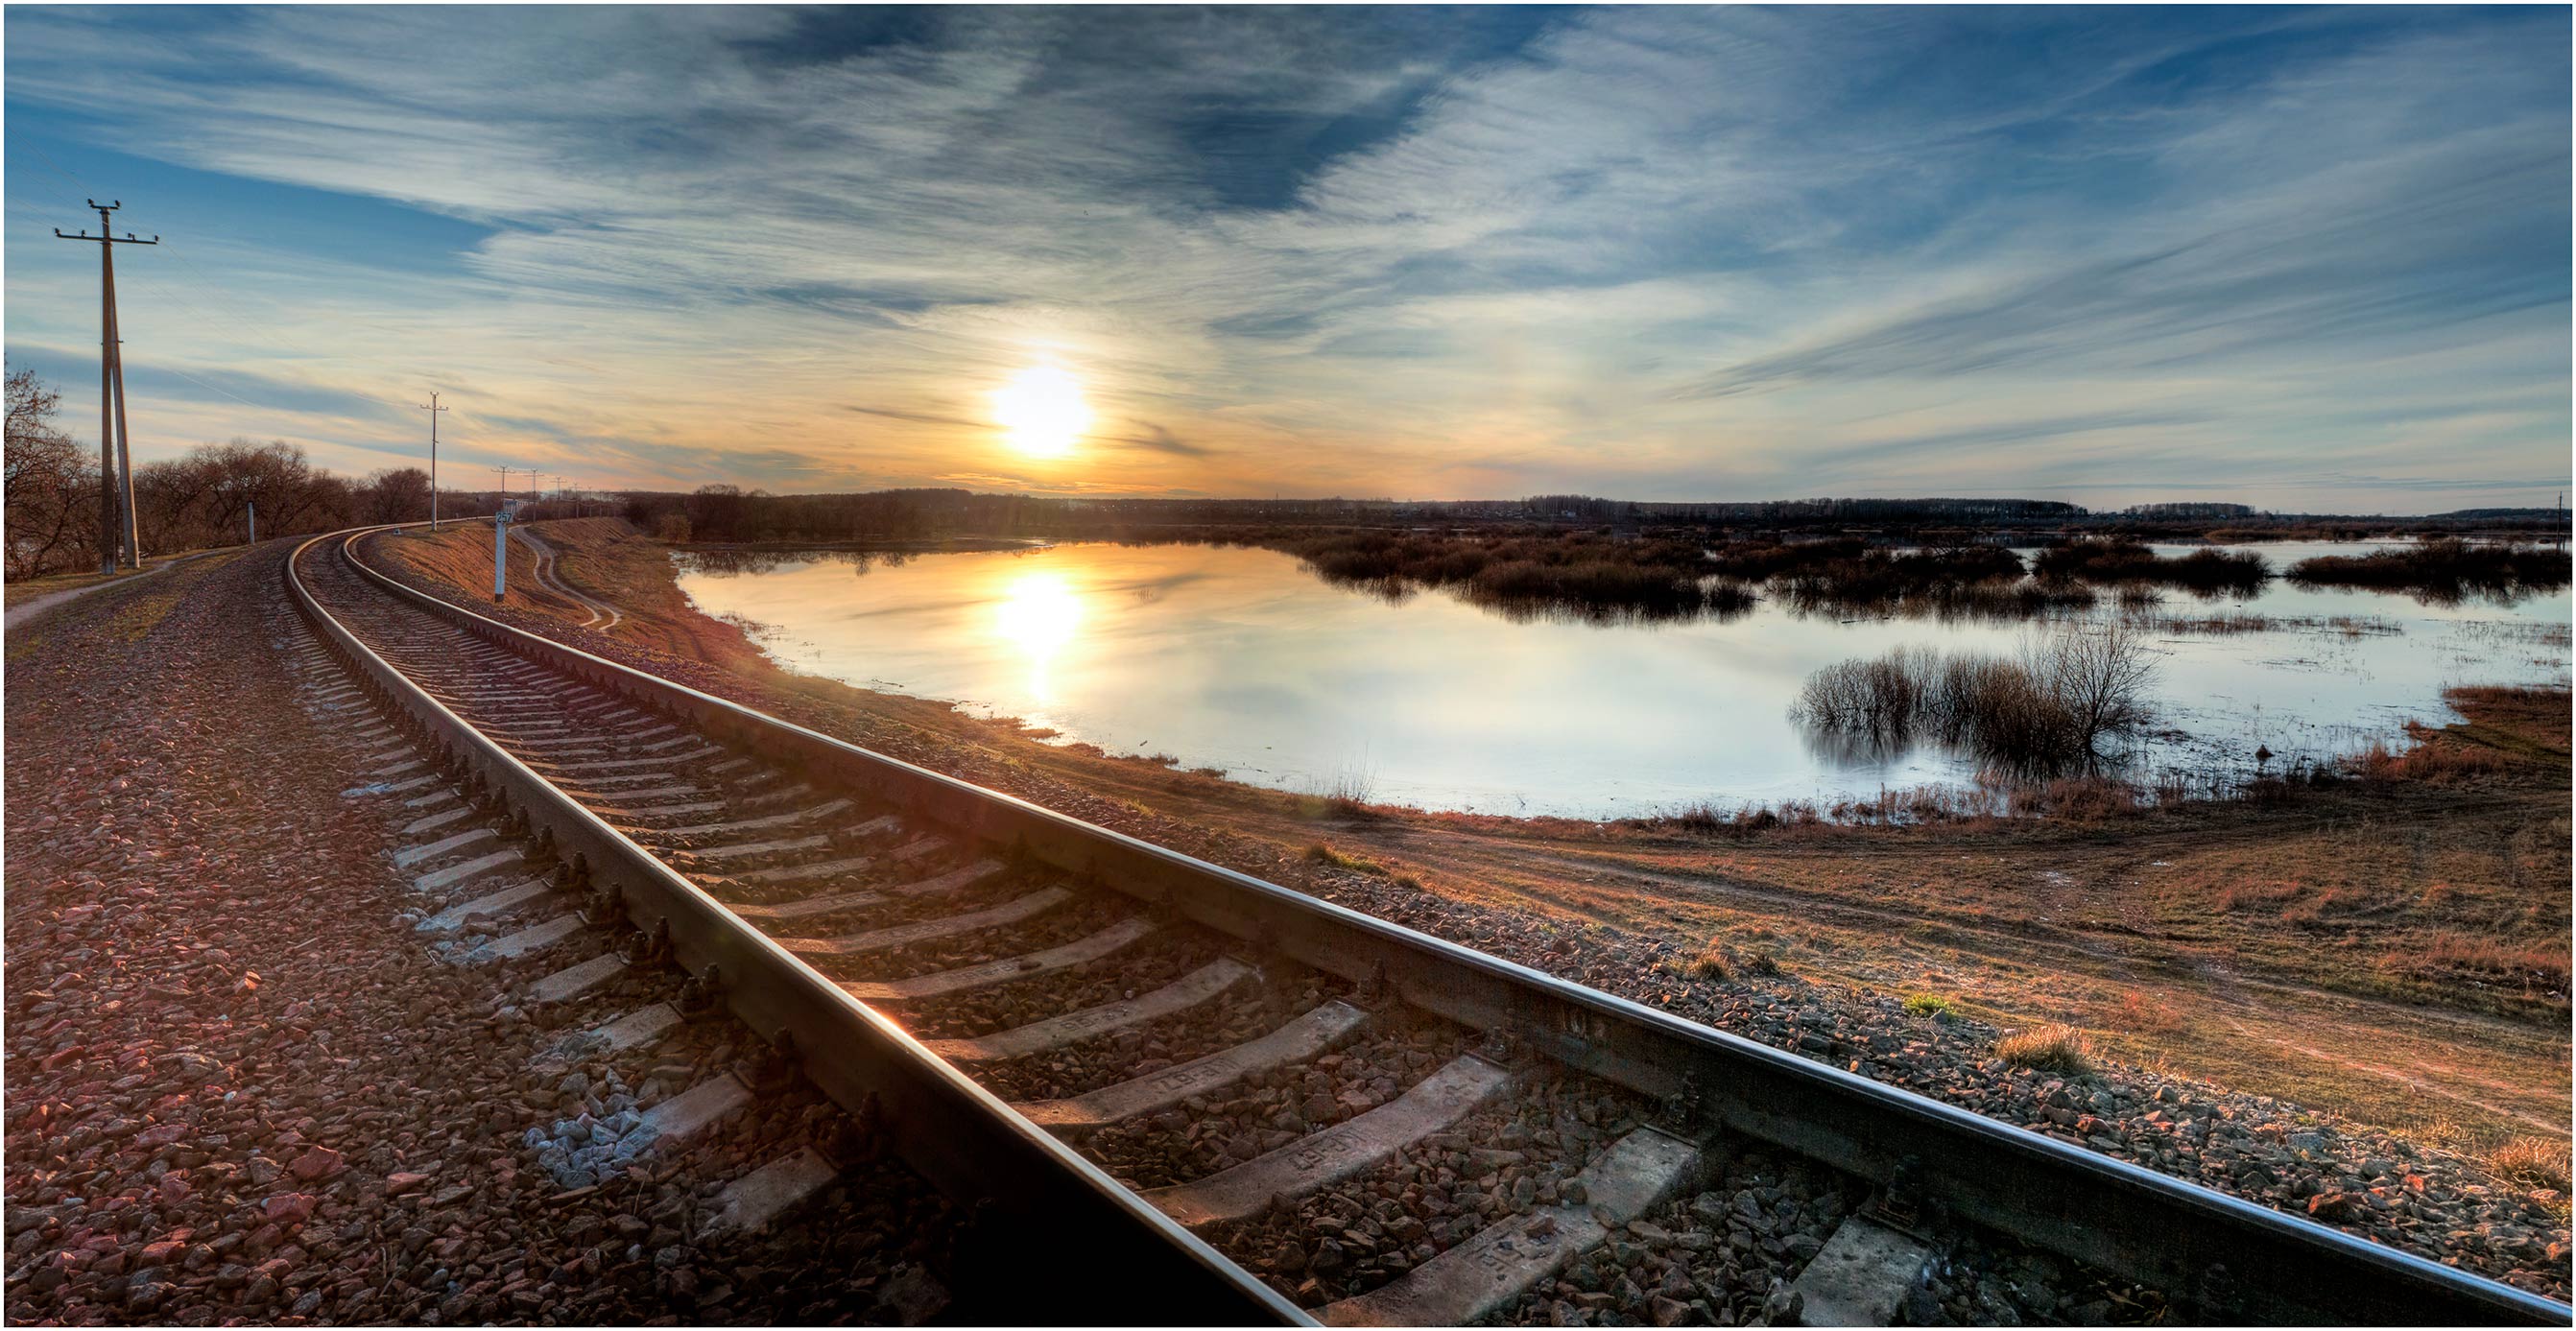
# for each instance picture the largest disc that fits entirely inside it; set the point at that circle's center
(1038, 615)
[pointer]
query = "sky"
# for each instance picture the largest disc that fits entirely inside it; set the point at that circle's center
(2311, 260)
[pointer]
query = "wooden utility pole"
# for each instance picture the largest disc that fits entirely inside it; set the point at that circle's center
(116, 527)
(433, 409)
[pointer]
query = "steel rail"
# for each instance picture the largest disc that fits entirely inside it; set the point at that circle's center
(1044, 1219)
(2203, 1248)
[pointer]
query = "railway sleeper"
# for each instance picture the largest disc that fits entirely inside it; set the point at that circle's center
(1199, 986)
(1474, 1280)
(1321, 1028)
(1349, 1147)
(749, 1202)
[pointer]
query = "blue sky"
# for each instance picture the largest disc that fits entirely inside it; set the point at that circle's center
(2308, 259)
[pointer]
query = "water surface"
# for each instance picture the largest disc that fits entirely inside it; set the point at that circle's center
(1242, 660)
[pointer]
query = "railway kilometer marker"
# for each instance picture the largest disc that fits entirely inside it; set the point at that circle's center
(501, 544)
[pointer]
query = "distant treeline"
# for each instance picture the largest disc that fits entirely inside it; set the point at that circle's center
(724, 514)
(202, 499)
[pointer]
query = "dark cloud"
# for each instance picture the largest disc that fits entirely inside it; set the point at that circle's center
(1156, 439)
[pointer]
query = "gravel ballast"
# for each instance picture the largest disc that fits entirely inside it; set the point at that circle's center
(242, 1087)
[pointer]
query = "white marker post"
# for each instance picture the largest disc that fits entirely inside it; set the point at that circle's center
(501, 552)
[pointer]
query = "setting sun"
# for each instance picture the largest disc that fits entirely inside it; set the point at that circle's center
(1042, 409)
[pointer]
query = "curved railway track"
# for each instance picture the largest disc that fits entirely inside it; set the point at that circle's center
(1134, 1062)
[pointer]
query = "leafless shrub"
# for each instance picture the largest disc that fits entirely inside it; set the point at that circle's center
(2052, 708)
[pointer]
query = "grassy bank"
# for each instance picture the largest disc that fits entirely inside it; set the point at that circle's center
(2391, 947)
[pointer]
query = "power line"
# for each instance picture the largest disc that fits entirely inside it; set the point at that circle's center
(57, 166)
(112, 373)
(212, 289)
(215, 388)
(224, 309)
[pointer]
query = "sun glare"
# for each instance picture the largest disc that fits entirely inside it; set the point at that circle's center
(1039, 615)
(1042, 410)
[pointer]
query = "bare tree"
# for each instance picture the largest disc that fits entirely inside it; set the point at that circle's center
(46, 486)
(169, 501)
(276, 476)
(396, 494)
(2100, 673)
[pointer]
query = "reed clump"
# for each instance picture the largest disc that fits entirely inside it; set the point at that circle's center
(2447, 568)
(1583, 575)
(2119, 560)
(2051, 709)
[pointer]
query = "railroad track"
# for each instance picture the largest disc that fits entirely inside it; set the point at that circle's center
(1156, 1078)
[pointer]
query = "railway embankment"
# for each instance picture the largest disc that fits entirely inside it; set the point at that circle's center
(2406, 1189)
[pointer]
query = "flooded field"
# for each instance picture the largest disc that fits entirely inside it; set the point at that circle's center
(1242, 660)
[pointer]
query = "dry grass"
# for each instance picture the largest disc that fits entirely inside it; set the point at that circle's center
(2142, 1013)
(2533, 1162)
(2052, 1048)
(2083, 800)
(2430, 760)
(1718, 960)
(2443, 568)
(2450, 955)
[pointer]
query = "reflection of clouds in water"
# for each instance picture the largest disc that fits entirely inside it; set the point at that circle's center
(1243, 660)
(1151, 591)
(1244, 699)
